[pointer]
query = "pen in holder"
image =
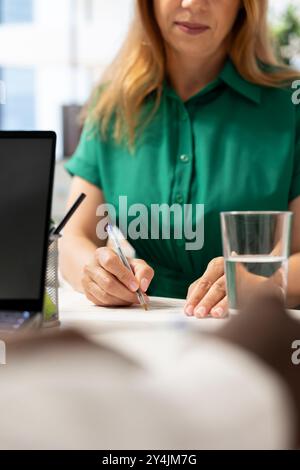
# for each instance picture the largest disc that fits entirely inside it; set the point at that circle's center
(51, 308)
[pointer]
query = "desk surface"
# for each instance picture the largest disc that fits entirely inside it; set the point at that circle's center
(77, 311)
(154, 337)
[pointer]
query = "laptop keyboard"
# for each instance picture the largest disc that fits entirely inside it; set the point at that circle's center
(13, 320)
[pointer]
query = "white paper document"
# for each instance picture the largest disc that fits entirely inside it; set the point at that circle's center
(75, 309)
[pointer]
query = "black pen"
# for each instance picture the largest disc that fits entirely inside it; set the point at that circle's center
(56, 232)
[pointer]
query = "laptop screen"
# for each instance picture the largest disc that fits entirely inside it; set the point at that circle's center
(26, 183)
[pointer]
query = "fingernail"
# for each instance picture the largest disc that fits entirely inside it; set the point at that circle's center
(189, 310)
(133, 286)
(218, 312)
(144, 284)
(201, 311)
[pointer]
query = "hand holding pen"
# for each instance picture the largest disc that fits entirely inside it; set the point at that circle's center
(109, 281)
(111, 232)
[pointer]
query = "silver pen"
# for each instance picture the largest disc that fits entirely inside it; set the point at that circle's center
(113, 235)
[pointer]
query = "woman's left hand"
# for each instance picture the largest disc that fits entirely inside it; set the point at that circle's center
(208, 294)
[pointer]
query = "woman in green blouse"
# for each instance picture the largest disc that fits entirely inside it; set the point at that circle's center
(194, 111)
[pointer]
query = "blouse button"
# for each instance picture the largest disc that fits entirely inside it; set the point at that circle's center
(179, 198)
(184, 158)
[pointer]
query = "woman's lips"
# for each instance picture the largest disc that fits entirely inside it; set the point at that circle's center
(191, 28)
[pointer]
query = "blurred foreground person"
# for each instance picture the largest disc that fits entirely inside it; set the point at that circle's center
(236, 389)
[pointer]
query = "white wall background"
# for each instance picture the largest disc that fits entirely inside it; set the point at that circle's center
(46, 45)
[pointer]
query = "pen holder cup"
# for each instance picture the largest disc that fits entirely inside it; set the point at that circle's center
(50, 307)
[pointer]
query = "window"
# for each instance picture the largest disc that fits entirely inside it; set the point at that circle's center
(88, 4)
(16, 11)
(18, 113)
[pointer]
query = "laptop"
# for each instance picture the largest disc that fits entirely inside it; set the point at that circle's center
(27, 161)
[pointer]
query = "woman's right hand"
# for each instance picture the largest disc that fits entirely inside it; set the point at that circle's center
(107, 282)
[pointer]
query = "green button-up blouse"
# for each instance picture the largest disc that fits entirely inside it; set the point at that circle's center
(232, 146)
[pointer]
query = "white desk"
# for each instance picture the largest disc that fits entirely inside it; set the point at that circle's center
(76, 310)
(152, 337)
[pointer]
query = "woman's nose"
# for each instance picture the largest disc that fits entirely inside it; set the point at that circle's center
(194, 3)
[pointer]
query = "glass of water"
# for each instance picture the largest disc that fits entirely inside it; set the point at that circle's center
(256, 248)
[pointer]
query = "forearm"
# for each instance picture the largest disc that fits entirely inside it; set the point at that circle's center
(74, 253)
(293, 291)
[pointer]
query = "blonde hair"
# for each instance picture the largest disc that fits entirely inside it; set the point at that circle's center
(140, 68)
